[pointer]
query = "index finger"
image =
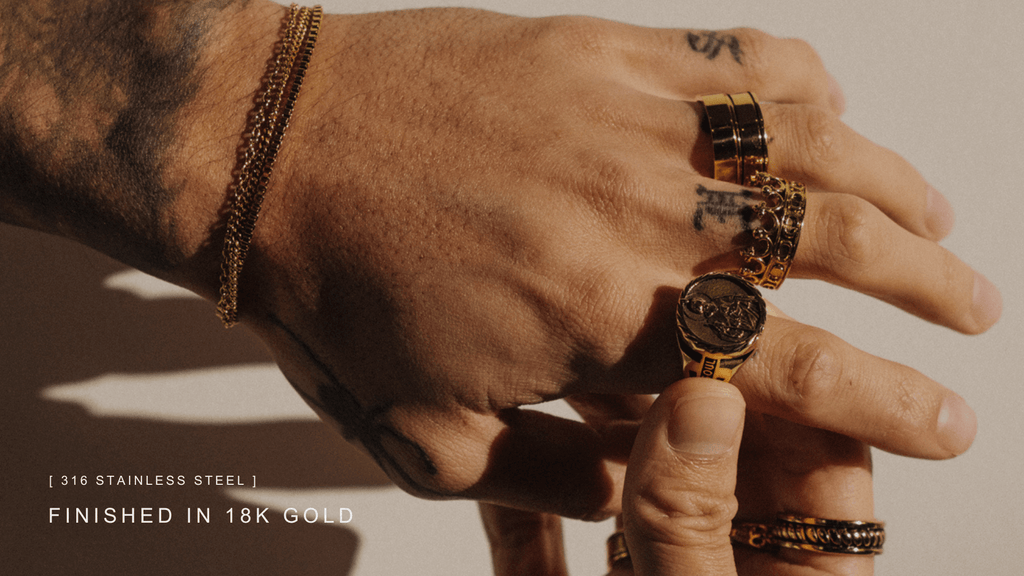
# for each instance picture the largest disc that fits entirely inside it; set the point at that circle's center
(808, 376)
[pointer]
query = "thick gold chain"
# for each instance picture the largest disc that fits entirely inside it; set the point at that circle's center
(269, 122)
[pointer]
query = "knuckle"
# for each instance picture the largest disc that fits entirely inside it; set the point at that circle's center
(608, 188)
(803, 50)
(800, 53)
(908, 414)
(768, 60)
(574, 37)
(664, 513)
(803, 68)
(754, 46)
(815, 371)
(611, 184)
(604, 319)
(817, 138)
(852, 236)
(422, 459)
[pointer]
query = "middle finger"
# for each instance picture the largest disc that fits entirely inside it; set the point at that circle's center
(849, 242)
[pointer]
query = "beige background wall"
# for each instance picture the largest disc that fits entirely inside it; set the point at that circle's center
(107, 372)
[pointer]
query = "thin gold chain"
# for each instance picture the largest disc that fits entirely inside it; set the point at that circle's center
(269, 122)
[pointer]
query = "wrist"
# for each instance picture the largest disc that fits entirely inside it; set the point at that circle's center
(129, 144)
(288, 230)
(212, 129)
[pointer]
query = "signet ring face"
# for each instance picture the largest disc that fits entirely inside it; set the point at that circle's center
(718, 318)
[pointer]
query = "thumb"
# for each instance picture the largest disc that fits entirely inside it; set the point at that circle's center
(678, 500)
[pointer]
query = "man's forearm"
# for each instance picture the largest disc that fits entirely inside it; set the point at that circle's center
(119, 123)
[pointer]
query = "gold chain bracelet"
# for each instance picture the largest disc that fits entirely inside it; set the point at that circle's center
(269, 121)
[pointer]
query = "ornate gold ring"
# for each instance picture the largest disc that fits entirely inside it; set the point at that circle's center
(813, 534)
(781, 212)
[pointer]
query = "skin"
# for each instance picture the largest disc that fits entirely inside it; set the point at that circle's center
(472, 213)
(682, 494)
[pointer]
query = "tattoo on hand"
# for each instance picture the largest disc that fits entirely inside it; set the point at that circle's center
(393, 451)
(722, 205)
(710, 44)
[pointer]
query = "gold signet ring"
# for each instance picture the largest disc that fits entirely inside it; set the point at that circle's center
(718, 318)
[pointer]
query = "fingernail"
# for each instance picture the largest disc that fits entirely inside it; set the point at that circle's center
(835, 94)
(939, 215)
(705, 425)
(988, 302)
(956, 425)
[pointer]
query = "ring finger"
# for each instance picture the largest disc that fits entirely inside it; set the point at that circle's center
(811, 145)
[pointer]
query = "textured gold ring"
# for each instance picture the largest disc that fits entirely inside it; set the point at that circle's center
(739, 142)
(854, 537)
(719, 318)
(822, 535)
(781, 212)
(618, 552)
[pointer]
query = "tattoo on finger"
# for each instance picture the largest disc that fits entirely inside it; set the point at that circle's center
(711, 43)
(724, 206)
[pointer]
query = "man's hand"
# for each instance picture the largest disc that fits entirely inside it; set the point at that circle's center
(689, 478)
(479, 212)
(474, 212)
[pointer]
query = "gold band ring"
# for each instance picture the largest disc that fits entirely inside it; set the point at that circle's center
(739, 142)
(752, 136)
(719, 318)
(781, 211)
(813, 534)
(725, 143)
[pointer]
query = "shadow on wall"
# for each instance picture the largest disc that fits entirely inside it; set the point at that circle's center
(60, 324)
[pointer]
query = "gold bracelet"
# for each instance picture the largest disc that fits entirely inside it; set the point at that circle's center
(269, 121)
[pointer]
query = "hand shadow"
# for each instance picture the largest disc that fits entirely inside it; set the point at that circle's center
(59, 324)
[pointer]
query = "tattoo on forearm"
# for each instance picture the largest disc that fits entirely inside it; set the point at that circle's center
(392, 450)
(90, 93)
(723, 206)
(711, 43)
